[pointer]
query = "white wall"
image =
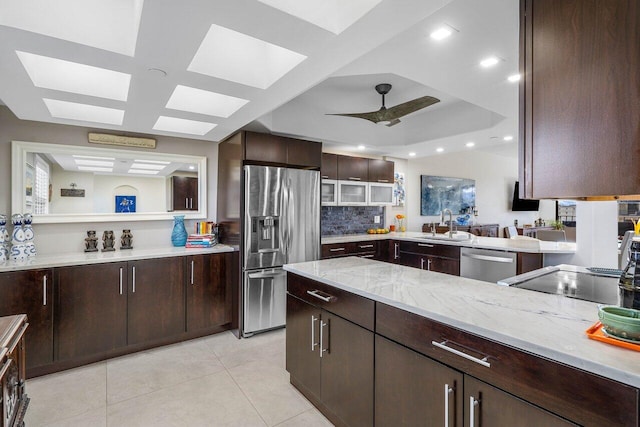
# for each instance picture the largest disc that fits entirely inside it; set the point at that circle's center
(495, 178)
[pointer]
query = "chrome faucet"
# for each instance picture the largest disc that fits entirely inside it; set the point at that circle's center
(451, 232)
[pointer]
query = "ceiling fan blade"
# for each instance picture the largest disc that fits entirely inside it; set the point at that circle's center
(373, 116)
(409, 107)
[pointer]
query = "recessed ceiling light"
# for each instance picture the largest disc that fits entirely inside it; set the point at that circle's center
(95, 23)
(147, 166)
(508, 138)
(332, 15)
(84, 112)
(66, 76)
(174, 124)
(94, 169)
(157, 162)
(514, 78)
(194, 100)
(361, 147)
(489, 62)
(77, 156)
(439, 149)
(237, 57)
(143, 172)
(470, 144)
(86, 162)
(441, 33)
(412, 154)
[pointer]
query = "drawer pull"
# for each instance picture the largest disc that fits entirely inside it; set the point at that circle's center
(336, 249)
(447, 391)
(425, 245)
(365, 246)
(489, 258)
(443, 345)
(366, 256)
(326, 297)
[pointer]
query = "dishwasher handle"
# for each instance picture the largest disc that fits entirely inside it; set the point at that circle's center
(489, 258)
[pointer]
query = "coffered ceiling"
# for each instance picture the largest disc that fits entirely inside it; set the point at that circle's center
(203, 69)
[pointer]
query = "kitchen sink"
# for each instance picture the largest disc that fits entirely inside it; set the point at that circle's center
(456, 236)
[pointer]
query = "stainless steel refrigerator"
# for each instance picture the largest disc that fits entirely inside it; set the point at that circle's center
(281, 226)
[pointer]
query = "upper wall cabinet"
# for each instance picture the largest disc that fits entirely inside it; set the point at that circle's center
(353, 168)
(267, 148)
(381, 171)
(579, 98)
(329, 168)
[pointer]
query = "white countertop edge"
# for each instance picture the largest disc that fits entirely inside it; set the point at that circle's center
(542, 351)
(495, 243)
(73, 258)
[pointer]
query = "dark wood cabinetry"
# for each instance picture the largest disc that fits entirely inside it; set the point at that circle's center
(381, 171)
(426, 256)
(364, 249)
(267, 148)
(330, 350)
(579, 109)
(329, 168)
(30, 292)
(353, 168)
(208, 290)
(156, 299)
(91, 310)
(184, 193)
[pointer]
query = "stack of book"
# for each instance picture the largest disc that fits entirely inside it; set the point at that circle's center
(201, 240)
(206, 227)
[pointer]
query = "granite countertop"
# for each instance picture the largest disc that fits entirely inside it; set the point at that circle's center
(82, 258)
(497, 243)
(551, 326)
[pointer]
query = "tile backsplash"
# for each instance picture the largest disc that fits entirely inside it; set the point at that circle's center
(350, 219)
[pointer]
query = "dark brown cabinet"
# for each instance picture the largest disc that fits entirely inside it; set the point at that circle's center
(329, 169)
(381, 171)
(184, 193)
(90, 310)
(330, 358)
(267, 148)
(353, 168)
(30, 292)
(156, 300)
(364, 249)
(426, 256)
(579, 109)
(208, 290)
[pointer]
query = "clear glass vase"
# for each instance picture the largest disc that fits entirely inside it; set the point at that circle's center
(179, 233)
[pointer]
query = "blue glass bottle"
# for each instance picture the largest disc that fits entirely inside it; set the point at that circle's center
(179, 233)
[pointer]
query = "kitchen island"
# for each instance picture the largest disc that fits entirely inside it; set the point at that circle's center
(529, 348)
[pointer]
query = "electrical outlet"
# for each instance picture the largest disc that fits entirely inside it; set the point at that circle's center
(376, 219)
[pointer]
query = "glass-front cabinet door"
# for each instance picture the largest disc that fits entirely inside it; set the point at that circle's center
(352, 193)
(380, 194)
(329, 192)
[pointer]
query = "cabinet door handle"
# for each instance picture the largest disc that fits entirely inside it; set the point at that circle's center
(190, 202)
(472, 411)
(425, 245)
(313, 332)
(421, 263)
(429, 264)
(134, 278)
(383, 180)
(396, 251)
(192, 262)
(443, 345)
(325, 176)
(354, 178)
(336, 249)
(120, 280)
(186, 203)
(326, 297)
(447, 391)
(365, 246)
(44, 290)
(322, 349)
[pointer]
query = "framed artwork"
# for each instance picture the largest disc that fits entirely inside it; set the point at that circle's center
(439, 192)
(125, 204)
(398, 189)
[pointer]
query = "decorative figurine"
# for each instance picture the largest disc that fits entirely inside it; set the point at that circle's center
(5, 239)
(18, 246)
(126, 240)
(91, 242)
(28, 235)
(108, 241)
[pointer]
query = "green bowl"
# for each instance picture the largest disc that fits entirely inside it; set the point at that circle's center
(620, 322)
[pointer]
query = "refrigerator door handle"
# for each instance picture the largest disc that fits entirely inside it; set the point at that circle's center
(265, 275)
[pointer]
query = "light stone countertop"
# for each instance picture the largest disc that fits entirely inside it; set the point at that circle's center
(551, 326)
(497, 243)
(82, 258)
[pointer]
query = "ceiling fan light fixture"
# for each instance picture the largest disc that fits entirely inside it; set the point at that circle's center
(441, 33)
(384, 122)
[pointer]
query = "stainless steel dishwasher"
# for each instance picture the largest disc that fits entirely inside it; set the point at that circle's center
(488, 265)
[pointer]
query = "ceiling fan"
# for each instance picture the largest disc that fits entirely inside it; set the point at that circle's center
(391, 116)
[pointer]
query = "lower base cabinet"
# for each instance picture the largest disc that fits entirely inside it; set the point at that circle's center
(209, 291)
(330, 360)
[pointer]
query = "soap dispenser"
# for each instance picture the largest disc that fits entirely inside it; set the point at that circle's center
(629, 284)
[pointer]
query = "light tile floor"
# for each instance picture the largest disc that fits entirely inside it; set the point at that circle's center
(212, 381)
